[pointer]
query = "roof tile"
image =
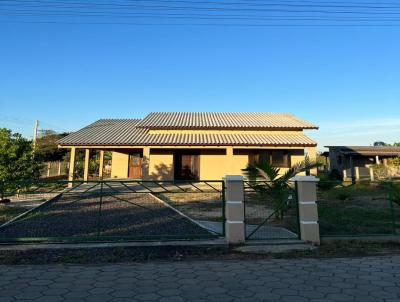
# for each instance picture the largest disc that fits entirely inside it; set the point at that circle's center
(223, 120)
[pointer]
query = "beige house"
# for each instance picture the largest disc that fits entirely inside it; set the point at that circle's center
(345, 160)
(192, 145)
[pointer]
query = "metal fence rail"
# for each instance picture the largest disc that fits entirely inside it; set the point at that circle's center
(263, 217)
(117, 210)
(362, 209)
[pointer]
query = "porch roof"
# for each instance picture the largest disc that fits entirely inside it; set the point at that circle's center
(368, 150)
(124, 132)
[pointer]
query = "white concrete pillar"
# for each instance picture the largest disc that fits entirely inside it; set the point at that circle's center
(101, 164)
(344, 174)
(71, 170)
(234, 209)
(377, 161)
(86, 165)
(308, 210)
(371, 174)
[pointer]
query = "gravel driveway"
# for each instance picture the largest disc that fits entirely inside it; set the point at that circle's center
(77, 214)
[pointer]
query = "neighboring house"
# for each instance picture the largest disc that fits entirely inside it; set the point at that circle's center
(193, 145)
(347, 158)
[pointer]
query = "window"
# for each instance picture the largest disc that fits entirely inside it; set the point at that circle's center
(278, 158)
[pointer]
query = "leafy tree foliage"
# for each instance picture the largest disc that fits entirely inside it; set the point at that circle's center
(16, 161)
(47, 148)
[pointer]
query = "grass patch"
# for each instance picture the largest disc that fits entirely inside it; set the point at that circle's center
(8, 212)
(355, 220)
(360, 209)
(346, 190)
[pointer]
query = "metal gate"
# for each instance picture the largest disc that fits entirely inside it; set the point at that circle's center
(270, 213)
(116, 211)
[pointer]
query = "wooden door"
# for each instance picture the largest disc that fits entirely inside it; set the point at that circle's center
(187, 166)
(135, 166)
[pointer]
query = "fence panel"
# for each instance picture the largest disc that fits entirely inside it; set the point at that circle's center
(270, 213)
(361, 209)
(54, 169)
(123, 210)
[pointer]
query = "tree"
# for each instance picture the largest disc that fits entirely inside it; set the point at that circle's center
(277, 186)
(16, 161)
(47, 148)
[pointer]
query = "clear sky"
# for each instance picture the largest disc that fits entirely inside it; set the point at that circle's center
(344, 79)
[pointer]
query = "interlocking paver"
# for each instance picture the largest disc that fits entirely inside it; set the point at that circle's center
(309, 280)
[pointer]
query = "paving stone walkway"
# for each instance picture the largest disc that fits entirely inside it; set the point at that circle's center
(345, 279)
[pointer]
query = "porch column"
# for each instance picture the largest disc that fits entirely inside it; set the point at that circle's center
(312, 155)
(377, 161)
(357, 169)
(146, 163)
(71, 170)
(86, 165)
(353, 176)
(308, 212)
(229, 160)
(101, 164)
(59, 168)
(48, 168)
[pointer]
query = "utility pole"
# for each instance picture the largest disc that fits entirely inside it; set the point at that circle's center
(35, 132)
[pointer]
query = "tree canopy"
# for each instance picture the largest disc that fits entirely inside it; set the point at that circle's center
(46, 146)
(16, 160)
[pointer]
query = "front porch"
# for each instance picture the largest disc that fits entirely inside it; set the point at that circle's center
(170, 163)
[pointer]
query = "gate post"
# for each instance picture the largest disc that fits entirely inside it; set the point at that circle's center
(306, 187)
(234, 209)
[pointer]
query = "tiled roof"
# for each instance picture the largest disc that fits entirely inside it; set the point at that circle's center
(223, 120)
(120, 132)
(368, 150)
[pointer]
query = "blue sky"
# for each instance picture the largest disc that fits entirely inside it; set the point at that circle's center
(345, 79)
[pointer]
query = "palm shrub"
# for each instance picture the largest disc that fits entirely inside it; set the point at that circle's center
(275, 185)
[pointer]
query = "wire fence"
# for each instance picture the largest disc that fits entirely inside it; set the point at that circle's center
(271, 211)
(117, 210)
(54, 169)
(362, 209)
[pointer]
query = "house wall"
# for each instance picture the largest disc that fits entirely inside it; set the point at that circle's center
(214, 163)
(120, 161)
(240, 160)
(161, 165)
